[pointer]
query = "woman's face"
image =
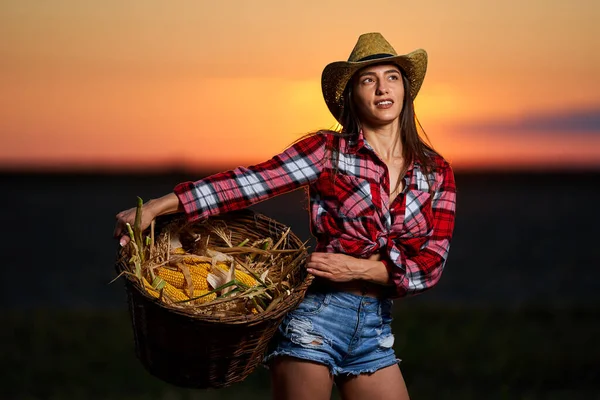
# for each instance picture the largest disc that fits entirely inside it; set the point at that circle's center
(378, 94)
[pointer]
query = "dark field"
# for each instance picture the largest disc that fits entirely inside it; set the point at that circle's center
(446, 353)
(515, 316)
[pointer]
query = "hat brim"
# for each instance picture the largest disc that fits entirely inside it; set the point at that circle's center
(336, 76)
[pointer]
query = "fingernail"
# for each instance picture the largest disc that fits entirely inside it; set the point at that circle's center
(122, 242)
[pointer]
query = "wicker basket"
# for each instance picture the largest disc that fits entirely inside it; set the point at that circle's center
(207, 351)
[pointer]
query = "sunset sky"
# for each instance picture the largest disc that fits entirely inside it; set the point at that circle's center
(154, 84)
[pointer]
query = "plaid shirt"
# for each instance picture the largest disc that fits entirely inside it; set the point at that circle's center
(349, 209)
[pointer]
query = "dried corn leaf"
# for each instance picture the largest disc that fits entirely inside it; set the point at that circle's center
(217, 257)
(189, 285)
(216, 280)
(230, 277)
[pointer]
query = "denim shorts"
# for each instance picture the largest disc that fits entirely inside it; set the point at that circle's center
(349, 333)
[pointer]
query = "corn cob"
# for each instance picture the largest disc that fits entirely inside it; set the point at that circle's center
(173, 293)
(177, 279)
(173, 277)
(192, 260)
(204, 299)
(199, 271)
(151, 291)
(241, 276)
(245, 278)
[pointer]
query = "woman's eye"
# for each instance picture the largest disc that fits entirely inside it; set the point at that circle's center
(394, 77)
(367, 80)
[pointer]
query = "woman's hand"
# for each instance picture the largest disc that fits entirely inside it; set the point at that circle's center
(165, 205)
(128, 217)
(333, 266)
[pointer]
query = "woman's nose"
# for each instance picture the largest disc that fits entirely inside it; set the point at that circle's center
(382, 88)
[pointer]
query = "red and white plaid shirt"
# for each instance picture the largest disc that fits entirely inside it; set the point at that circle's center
(350, 214)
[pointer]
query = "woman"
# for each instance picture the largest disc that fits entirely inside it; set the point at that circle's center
(382, 211)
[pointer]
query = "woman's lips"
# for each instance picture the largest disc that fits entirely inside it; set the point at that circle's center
(384, 104)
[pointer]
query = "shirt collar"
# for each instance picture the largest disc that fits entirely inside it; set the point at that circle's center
(356, 143)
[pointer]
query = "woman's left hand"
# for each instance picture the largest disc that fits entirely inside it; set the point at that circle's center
(333, 266)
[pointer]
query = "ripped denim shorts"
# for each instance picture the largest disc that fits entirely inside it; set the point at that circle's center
(349, 333)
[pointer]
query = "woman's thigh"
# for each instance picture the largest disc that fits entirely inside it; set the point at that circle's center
(384, 384)
(295, 379)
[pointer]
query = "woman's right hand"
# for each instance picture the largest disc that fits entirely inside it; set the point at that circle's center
(128, 217)
(165, 205)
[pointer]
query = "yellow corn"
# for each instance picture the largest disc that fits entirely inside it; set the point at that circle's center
(241, 276)
(177, 279)
(204, 299)
(178, 250)
(192, 260)
(176, 294)
(245, 278)
(173, 293)
(199, 271)
(151, 291)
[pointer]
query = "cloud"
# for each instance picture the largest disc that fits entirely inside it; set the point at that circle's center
(584, 122)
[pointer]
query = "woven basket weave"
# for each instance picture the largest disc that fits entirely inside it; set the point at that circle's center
(208, 351)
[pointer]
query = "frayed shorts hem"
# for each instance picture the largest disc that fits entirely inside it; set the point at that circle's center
(334, 370)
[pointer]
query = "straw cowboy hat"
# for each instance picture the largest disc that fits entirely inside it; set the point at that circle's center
(371, 48)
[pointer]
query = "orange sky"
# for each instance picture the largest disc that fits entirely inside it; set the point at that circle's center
(190, 83)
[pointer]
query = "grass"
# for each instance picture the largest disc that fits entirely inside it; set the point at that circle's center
(446, 353)
(527, 354)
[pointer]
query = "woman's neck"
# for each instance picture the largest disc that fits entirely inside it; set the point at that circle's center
(385, 141)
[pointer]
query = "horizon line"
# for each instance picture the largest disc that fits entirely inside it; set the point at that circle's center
(182, 169)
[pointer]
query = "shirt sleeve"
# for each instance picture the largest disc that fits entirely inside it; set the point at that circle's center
(297, 166)
(415, 274)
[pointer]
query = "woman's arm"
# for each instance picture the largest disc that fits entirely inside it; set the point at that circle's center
(339, 267)
(242, 187)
